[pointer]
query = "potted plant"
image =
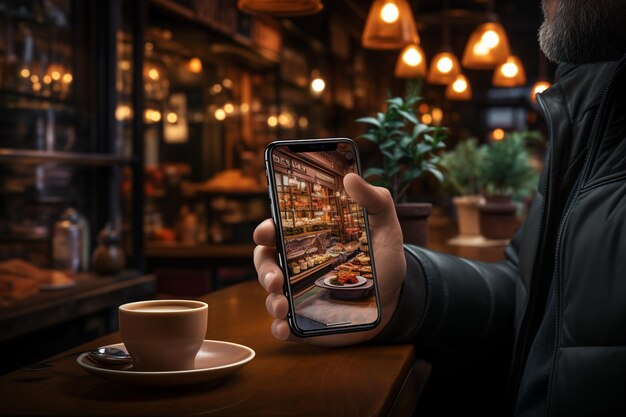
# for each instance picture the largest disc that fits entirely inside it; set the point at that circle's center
(463, 180)
(507, 173)
(409, 150)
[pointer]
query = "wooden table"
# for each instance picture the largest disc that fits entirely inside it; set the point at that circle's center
(284, 379)
(53, 321)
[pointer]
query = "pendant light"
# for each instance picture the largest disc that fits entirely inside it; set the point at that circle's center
(445, 66)
(459, 89)
(488, 45)
(541, 85)
(509, 74)
(411, 63)
(389, 25)
(281, 7)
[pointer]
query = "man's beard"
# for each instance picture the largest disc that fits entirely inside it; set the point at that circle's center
(581, 31)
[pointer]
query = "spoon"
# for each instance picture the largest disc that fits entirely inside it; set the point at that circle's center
(110, 356)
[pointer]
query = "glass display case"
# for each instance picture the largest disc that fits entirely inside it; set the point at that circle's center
(58, 150)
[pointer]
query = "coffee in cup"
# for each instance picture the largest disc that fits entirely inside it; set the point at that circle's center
(163, 335)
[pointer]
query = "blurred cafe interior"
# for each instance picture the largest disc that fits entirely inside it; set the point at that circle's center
(132, 137)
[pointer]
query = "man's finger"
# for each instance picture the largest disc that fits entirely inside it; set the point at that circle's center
(270, 274)
(265, 234)
(376, 200)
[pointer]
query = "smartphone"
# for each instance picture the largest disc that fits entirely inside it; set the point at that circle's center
(322, 237)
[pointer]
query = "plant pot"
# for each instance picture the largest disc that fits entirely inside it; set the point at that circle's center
(498, 219)
(467, 214)
(414, 222)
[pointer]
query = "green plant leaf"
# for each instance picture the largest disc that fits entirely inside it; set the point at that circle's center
(408, 116)
(395, 100)
(369, 120)
(437, 173)
(369, 136)
(374, 172)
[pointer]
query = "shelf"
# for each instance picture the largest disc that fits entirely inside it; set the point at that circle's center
(317, 232)
(295, 278)
(37, 97)
(326, 211)
(65, 158)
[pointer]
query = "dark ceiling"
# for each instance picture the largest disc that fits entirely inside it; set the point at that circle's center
(521, 19)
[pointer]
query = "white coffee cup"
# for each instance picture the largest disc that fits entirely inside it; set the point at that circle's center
(163, 335)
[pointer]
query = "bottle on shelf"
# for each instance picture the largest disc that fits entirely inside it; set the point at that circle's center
(68, 238)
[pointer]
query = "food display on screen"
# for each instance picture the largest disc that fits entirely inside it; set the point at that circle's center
(327, 252)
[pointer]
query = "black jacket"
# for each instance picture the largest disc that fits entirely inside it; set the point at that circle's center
(560, 296)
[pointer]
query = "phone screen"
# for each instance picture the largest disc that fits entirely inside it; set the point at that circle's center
(323, 237)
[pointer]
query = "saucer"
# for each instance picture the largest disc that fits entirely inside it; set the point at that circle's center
(215, 360)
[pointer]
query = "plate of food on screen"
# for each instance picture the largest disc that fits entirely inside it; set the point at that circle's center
(345, 280)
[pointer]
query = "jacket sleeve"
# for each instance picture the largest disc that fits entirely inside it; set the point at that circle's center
(451, 305)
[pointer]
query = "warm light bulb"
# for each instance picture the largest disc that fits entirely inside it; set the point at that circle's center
(229, 108)
(123, 112)
(25, 73)
(318, 85)
(226, 82)
(220, 114)
(172, 117)
(244, 108)
(389, 13)
(480, 49)
(423, 108)
(272, 121)
(412, 56)
(444, 65)
(152, 73)
(427, 119)
(194, 65)
(34, 78)
(67, 78)
(490, 39)
(509, 70)
(437, 115)
(217, 88)
(540, 87)
(47, 79)
(303, 122)
(459, 85)
(497, 134)
(56, 75)
(36, 86)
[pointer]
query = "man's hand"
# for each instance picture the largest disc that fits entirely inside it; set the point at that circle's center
(388, 257)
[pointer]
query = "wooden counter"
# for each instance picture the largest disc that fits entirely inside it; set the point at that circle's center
(53, 321)
(284, 379)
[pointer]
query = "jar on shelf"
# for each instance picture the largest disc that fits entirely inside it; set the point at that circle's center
(108, 257)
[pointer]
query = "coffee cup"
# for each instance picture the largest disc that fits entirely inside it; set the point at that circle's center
(163, 335)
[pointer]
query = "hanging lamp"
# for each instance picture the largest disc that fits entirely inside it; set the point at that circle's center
(538, 87)
(411, 63)
(541, 85)
(459, 89)
(445, 66)
(509, 74)
(281, 7)
(389, 25)
(487, 47)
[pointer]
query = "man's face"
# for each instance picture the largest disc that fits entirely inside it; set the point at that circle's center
(581, 31)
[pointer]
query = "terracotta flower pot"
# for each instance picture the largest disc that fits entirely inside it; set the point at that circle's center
(467, 214)
(498, 219)
(414, 222)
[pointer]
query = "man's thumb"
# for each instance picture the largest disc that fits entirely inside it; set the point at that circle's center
(376, 200)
